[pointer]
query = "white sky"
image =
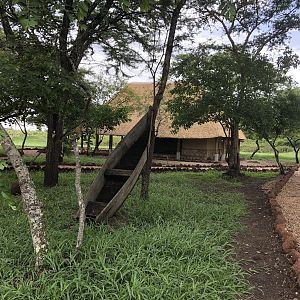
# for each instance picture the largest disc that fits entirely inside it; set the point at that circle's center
(140, 74)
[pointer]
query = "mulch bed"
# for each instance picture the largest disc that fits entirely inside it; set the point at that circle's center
(259, 247)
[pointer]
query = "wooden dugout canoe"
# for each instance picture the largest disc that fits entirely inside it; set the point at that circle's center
(120, 172)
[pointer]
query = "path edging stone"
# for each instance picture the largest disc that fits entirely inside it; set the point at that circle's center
(289, 244)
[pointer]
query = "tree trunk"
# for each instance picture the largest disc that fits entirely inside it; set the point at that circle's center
(24, 141)
(81, 203)
(54, 148)
(88, 145)
(32, 206)
(234, 169)
(296, 150)
(158, 97)
(256, 150)
(81, 143)
(98, 141)
(276, 154)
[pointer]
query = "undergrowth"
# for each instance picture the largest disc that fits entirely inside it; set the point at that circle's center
(177, 245)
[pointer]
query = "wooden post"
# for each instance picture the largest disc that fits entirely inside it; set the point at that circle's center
(178, 149)
(110, 144)
(216, 156)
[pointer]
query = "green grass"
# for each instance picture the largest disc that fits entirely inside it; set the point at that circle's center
(288, 157)
(249, 145)
(38, 139)
(35, 139)
(286, 153)
(175, 246)
(69, 159)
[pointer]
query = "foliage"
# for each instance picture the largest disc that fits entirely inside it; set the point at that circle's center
(209, 87)
(32, 85)
(276, 116)
(176, 246)
(4, 196)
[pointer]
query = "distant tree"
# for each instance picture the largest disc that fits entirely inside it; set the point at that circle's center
(249, 27)
(101, 118)
(274, 117)
(291, 113)
(209, 89)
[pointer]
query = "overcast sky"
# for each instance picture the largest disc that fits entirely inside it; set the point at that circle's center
(98, 61)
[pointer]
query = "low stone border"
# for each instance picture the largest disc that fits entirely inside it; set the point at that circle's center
(289, 244)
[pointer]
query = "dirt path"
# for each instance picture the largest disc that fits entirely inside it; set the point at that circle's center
(260, 249)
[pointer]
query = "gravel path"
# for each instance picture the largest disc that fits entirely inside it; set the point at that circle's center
(289, 200)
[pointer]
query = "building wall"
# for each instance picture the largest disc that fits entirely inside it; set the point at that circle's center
(202, 149)
(190, 149)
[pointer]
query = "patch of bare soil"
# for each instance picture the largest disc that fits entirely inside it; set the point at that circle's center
(259, 249)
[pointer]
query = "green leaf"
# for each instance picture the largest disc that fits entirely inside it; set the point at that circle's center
(27, 23)
(82, 27)
(228, 10)
(125, 4)
(3, 165)
(9, 200)
(145, 5)
(82, 10)
(4, 195)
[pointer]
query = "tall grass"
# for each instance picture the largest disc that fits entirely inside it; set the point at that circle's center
(177, 245)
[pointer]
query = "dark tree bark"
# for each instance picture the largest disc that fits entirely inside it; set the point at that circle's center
(234, 155)
(276, 154)
(24, 131)
(88, 144)
(158, 97)
(256, 150)
(54, 148)
(97, 142)
(81, 143)
(295, 148)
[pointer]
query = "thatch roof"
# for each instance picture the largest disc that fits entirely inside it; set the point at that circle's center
(139, 97)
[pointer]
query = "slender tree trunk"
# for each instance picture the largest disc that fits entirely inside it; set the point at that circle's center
(234, 168)
(256, 150)
(158, 97)
(24, 141)
(297, 155)
(54, 147)
(81, 143)
(97, 143)
(81, 203)
(31, 204)
(99, 140)
(24, 131)
(296, 150)
(88, 146)
(276, 154)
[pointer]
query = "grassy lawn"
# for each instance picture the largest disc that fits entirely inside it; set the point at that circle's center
(69, 159)
(38, 139)
(177, 245)
(266, 153)
(287, 157)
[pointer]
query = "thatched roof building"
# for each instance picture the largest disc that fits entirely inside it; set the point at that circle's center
(200, 142)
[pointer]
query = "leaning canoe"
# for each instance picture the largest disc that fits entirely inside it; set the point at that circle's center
(120, 172)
